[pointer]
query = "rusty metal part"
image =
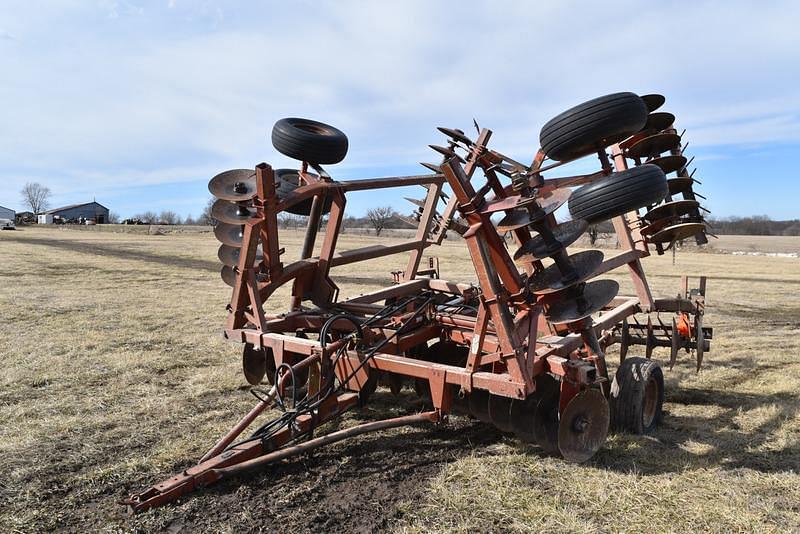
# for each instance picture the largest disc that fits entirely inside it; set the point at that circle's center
(653, 101)
(500, 412)
(676, 232)
(654, 145)
(447, 152)
(537, 248)
(228, 275)
(701, 340)
(235, 185)
(675, 344)
(230, 212)
(430, 166)
(551, 279)
(456, 134)
(671, 163)
(676, 208)
(547, 204)
(583, 426)
(229, 255)
(545, 422)
(594, 297)
(229, 234)
(254, 364)
(479, 405)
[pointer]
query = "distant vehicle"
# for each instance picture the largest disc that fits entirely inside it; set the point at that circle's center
(7, 224)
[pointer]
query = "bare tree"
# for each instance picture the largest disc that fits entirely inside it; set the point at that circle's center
(189, 220)
(168, 217)
(147, 217)
(378, 217)
(36, 197)
(113, 218)
(205, 218)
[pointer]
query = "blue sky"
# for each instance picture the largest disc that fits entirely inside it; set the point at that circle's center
(138, 104)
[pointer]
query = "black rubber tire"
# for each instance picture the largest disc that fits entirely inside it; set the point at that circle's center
(593, 125)
(628, 395)
(618, 193)
(310, 141)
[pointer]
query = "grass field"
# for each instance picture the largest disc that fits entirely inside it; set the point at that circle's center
(116, 376)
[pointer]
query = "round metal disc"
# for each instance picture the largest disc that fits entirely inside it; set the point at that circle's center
(234, 185)
(657, 226)
(545, 423)
(654, 101)
(596, 295)
(228, 275)
(565, 233)
(288, 181)
(549, 202)
(479, 405)
(671, 209)
(551, 279)
(676, 232)
(229, 212)
(654, 145)
(675, 344)
(669, 163)
(500, 412)
(229, 255)
(254, 364)
(679, 184)
(229, 234)
(700, 337)
(659, 121)
(523, 412)
(583, 427)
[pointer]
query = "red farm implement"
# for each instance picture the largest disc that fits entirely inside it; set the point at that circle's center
(522, 349)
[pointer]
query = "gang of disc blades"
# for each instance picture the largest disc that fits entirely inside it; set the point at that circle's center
(653, 101)
(235, 185)
(654, 145)
(679, 184)
(228, 275)
(288, 181)
(670, 163)
(676, 232)
(230, 212)
(479, 405)
(536, 249)
(549, 202)
(229, 234)
(545, 423)
(229, 255)
(550, 280)
(583, 427)
(676, 208)
(523, 411)
(595, 296)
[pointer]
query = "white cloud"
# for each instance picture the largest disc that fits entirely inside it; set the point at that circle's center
(161, 91)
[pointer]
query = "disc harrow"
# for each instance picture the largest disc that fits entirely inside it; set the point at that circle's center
(523, 347)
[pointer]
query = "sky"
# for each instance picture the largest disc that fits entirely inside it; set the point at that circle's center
(139, 104)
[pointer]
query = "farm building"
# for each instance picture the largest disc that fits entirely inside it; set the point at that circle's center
(91, 211)
(25, 216)
(7, 213)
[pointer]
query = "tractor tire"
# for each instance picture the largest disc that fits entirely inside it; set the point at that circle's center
(592, 126)
(309, 141)
(637, 396)
(618, 193)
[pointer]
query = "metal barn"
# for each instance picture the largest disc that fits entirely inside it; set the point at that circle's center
(75, 212)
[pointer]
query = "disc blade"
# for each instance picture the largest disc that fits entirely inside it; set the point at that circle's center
(675, 208)
(229, 255)
(659, 121)
(288, 181)
(228, 275)
(456, 134)
(548, 202)
(229, 234)
(523, 412)
(596, 295)
(231, 213)
(254, 364)
(676, 232)
(671, 163)
(654, 145)
(583, 427)
(500, 412)
(653, 101)
(701, 340)
(536, 249)
(479, 405)
(545, 423)
(679, 185)
(234, 185)
(550, 280)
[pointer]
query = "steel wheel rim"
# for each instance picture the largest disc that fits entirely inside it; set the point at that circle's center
(650, 402)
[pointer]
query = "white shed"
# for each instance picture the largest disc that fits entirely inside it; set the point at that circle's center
(7, 213)
(45, 218)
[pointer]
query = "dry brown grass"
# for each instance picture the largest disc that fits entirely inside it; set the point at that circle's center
(115, 375)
